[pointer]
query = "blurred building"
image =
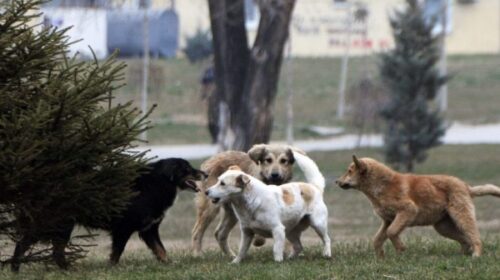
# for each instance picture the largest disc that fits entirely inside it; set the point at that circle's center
(106, 25)
(321, 28)
(89, 28)
(318, 28)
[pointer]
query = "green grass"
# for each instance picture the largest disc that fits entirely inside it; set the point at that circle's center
(423, 260)
(351, 224)
(174, 86)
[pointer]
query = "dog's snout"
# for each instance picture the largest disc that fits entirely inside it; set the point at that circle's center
(275, 175)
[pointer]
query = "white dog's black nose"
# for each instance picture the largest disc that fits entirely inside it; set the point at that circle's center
(206, 193)
(275, 175)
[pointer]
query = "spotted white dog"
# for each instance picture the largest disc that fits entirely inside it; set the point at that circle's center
(279, 212)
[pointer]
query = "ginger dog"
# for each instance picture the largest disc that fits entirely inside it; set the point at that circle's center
(405, 200)
(275, 211)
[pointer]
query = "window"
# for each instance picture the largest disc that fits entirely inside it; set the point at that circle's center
(340, 2)
(434, 11)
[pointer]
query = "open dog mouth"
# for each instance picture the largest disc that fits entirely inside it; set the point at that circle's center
(191, 184)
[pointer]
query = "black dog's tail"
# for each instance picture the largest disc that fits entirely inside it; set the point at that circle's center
(487, 189)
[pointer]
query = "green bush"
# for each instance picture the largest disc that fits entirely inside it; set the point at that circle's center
(63, 143)
(199, 46)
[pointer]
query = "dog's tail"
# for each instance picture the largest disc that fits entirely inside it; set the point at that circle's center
(310, 170)
(487, 189)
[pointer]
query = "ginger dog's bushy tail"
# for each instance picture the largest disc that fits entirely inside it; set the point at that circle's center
(487, 189)
(310, 170)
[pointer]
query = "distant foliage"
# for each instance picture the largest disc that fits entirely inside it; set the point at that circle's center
(62, 141)
(413, 122)
(199, 46)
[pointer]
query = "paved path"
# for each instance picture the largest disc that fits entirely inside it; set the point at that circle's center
(456, 134)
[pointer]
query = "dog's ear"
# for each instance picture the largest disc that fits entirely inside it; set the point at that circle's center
(257, 152)
(242, 180)
(234, 167)
(289, 155)
(360, 165)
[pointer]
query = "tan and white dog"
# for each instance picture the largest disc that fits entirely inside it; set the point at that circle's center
(271, 163)
(281, 212)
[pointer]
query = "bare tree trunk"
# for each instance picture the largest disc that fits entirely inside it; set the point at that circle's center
(247, 79)
(289, 95)
(345, 64)
(443, 91)
(145, 65)
(231, 52)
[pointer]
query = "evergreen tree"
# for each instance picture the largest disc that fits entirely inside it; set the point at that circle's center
(413, 122)
(63, 143)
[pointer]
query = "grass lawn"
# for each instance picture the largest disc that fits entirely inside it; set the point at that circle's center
(423, 260)
(352, 224)
(174, 86)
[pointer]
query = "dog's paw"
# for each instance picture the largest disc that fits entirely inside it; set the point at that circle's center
(400, 249)
(380, 255)
(196, 254)
(278, 259)
(164, 260)
(236, 261)
(293, 255)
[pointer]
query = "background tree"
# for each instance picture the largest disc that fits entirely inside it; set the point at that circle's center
(413, 123)
(63, 144)
(366, 97)
(246, 79)
(199, 46)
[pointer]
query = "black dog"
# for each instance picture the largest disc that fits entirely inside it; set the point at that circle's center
(156, 191)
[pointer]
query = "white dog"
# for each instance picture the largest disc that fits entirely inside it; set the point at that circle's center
(279, 212)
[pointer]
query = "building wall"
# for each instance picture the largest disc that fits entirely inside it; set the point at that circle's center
(193, 15)
(88, 28)
(476, 28)
(319, 28)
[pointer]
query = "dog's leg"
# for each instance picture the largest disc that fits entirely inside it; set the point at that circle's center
(398, 244)
(59, 244)
(463, 215)
(21, 247)
(207, 211)
(246, 240)
(119, 241)
(319, 223)
(447, 228)
(294, 238)
(402, 220)
(224, 228)
(380, 238)
(279, 242)
(152, 239)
